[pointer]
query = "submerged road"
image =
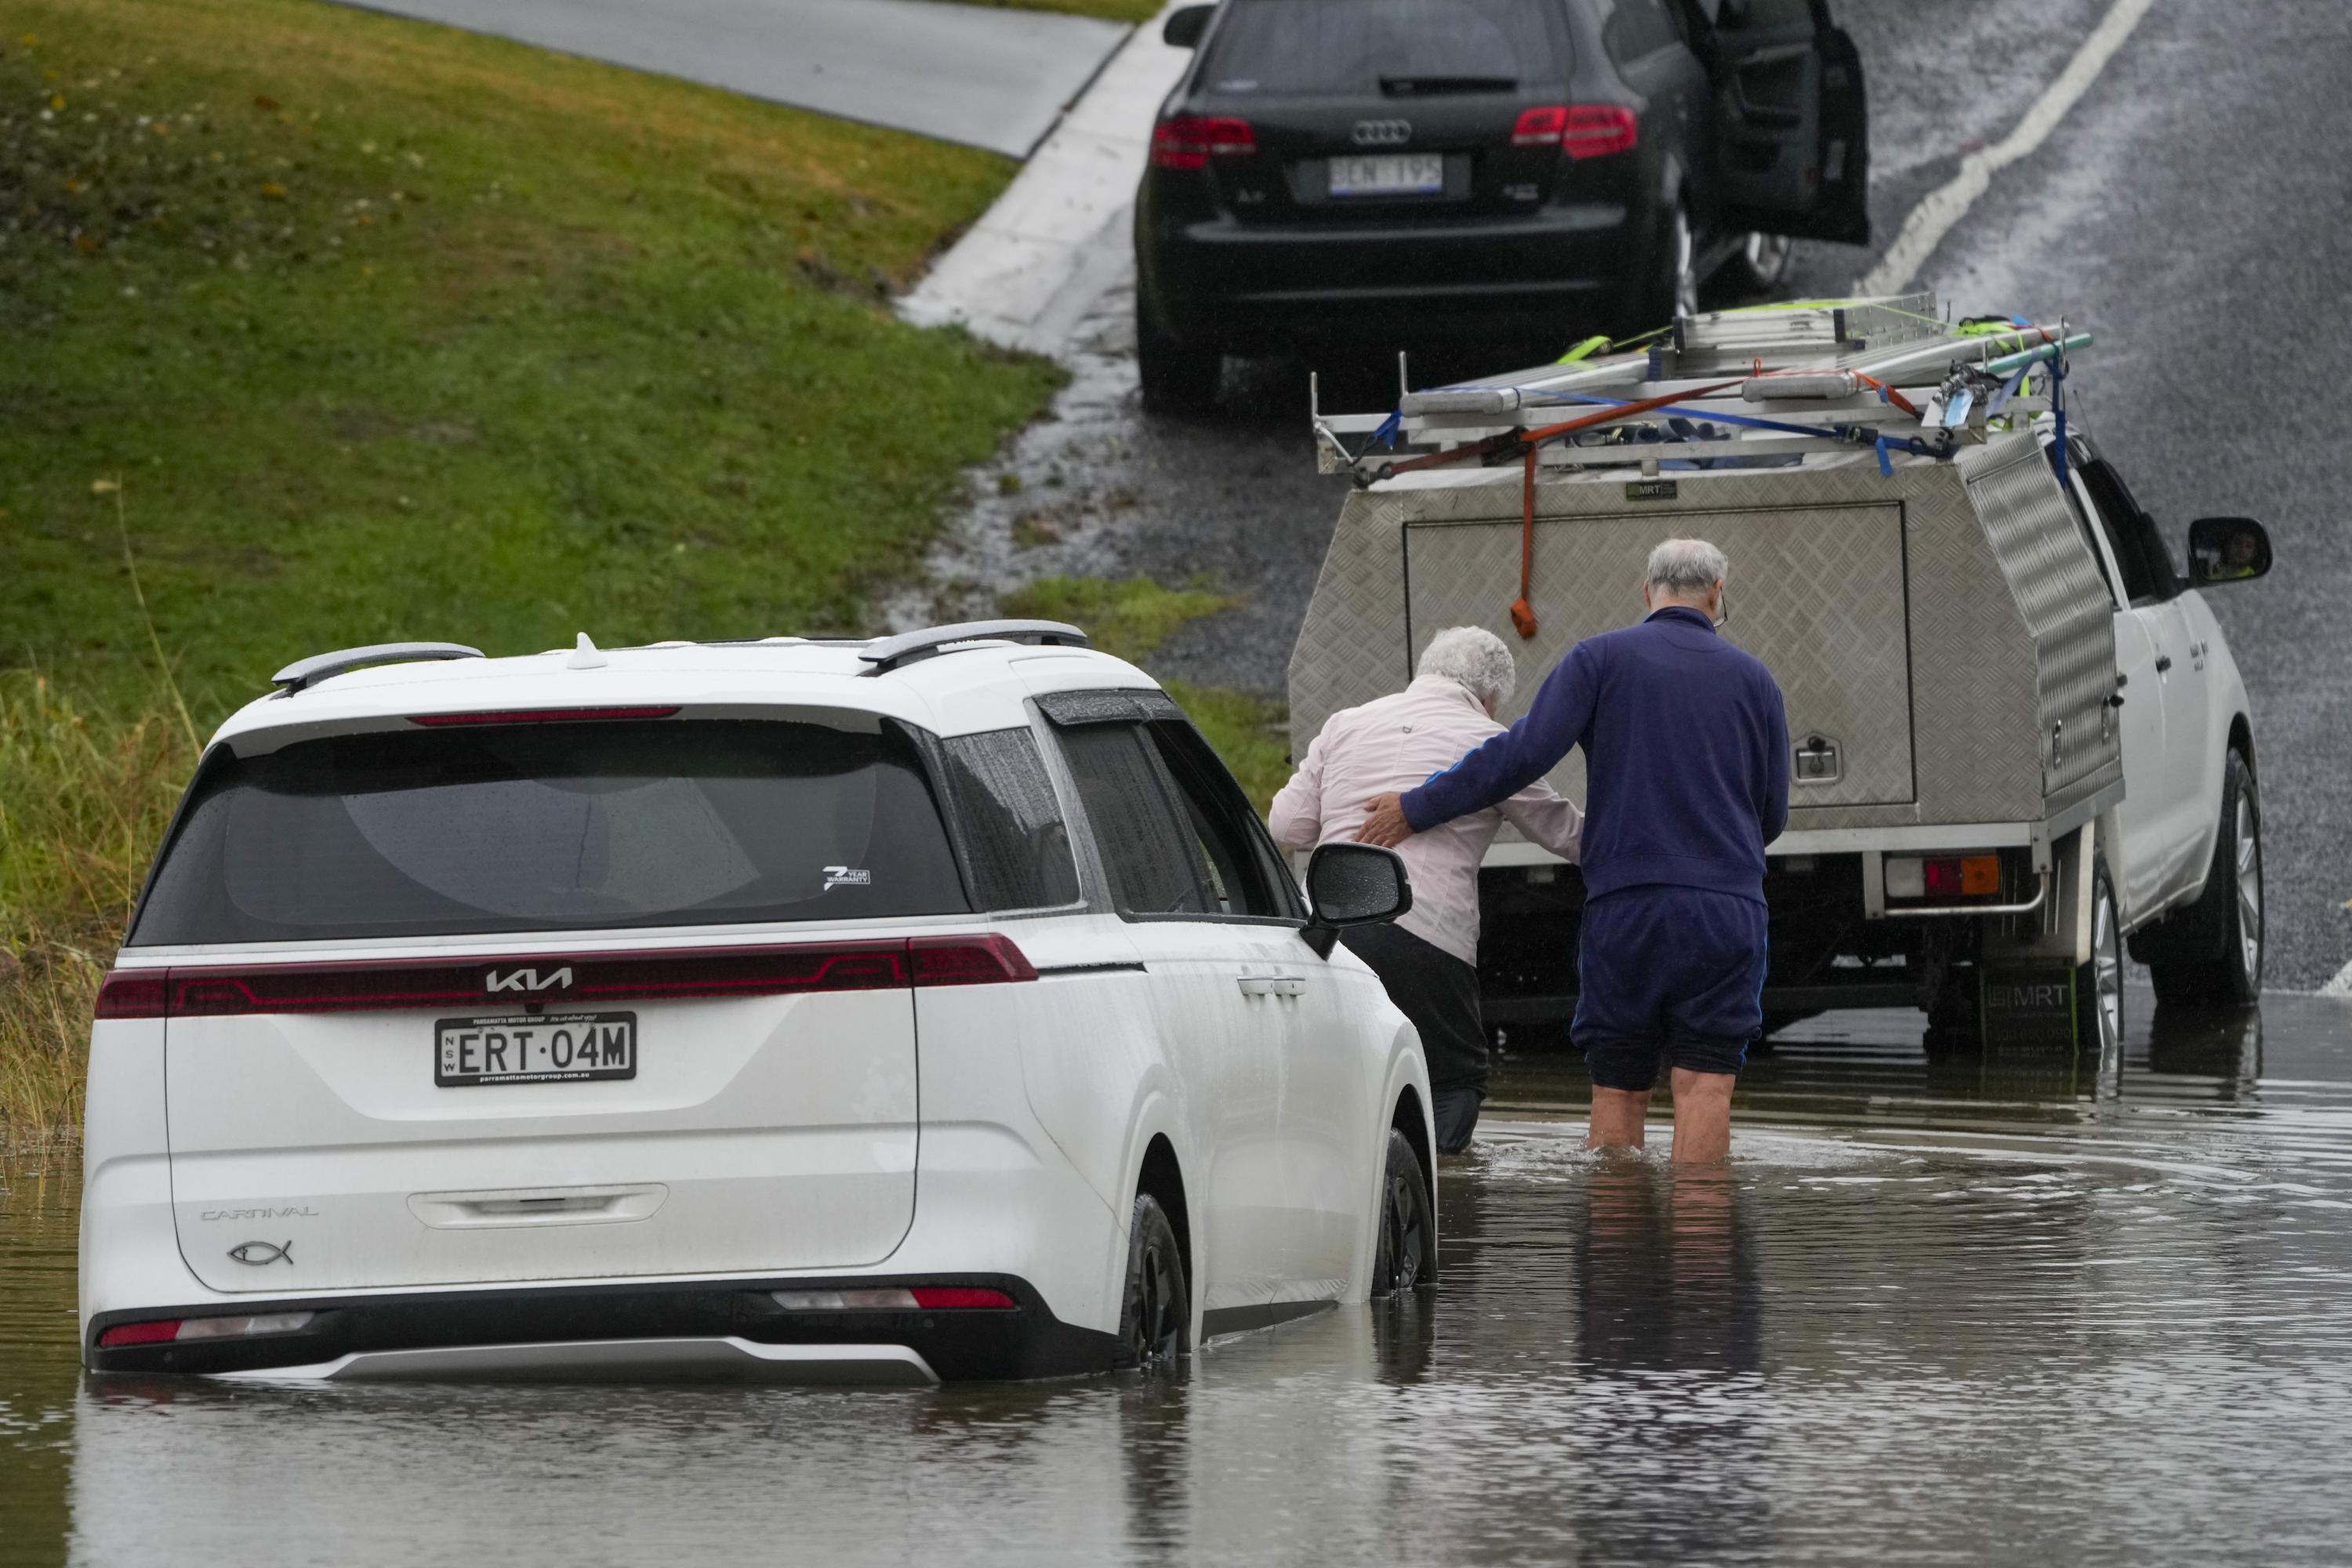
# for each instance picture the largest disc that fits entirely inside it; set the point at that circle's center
(2004, 1312)
(2189, 208)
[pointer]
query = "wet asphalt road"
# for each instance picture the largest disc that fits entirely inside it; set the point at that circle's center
(2191, 209)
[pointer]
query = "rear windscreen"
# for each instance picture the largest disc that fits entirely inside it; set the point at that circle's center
(1396, 48)
(553, 826)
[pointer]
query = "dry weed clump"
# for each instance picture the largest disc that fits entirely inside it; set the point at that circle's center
(83, 802)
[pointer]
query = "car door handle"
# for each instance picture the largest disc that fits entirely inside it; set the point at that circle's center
(2163, 662)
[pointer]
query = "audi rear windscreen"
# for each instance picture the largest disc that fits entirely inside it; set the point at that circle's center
(553, 826)
(1385, 49)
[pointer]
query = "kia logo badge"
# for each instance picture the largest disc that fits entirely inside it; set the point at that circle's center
(529, 979)
(1382, 132)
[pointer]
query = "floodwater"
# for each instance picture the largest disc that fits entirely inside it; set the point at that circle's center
(1994, 1311)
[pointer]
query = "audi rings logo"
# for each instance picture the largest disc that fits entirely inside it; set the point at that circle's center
(1382, 132)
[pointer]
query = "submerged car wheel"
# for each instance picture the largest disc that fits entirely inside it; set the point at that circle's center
(1155, 1315)
(2210, 954)
(1407, 1253)
(1762, 260)
(2099, 984)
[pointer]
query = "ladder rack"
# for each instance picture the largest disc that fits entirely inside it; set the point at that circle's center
(1764, 387)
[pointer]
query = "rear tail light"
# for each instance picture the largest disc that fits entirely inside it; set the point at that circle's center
(1594, 130)
(1190, 141)
(1539, 127)
(922, 1298)
(1943, 877)
(970, 961)
(169, 1331)
(564, 979)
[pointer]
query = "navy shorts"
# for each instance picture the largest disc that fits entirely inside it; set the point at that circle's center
(1671, 972)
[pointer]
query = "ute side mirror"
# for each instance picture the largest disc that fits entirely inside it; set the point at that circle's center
(2227, 550)
(1185, 24)
(1353, 885)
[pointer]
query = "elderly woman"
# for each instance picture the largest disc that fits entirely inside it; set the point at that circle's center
(1428, 959)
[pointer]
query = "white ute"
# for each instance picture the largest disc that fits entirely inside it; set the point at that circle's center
(928, 1008)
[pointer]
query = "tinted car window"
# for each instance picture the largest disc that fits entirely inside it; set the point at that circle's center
(551, 827)
(2140, 554)
(1324, 47)
(1247, 878)
(1015, 845)
(1149, 851)
(1637, 28)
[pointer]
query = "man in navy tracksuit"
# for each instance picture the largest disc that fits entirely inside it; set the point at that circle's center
(1686, 774)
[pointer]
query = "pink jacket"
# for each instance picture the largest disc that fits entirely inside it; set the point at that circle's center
(1395, 743)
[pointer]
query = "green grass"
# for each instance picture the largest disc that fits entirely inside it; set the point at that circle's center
(324, 328)
(1131, 618)
(1110, 10)
(392, 332)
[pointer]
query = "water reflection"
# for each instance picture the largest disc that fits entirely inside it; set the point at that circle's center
(2016, 1310)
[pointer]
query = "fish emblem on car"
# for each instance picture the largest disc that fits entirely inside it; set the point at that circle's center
(261, 1253)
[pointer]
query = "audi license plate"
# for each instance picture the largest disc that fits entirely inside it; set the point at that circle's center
(1402, 174)
(554, 1048)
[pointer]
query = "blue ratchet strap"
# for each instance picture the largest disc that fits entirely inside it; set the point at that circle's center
(2001, 399)
(1386, 434)
(2058, 406)
(1745, 422)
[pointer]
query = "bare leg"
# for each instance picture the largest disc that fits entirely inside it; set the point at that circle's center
(1619, 1118)
(1702, 1116)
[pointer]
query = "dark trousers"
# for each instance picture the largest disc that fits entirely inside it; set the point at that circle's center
(1438, 993)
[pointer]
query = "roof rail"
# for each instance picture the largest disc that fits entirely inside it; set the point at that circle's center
(888, 653)
(308, 672)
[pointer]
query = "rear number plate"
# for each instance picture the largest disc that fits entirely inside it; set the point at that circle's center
(1410, 174)
(556, 1047)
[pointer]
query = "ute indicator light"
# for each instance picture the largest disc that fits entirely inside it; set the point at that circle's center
(1943, 877)
(1190, 141)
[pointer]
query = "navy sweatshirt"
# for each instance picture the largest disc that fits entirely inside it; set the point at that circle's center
(1685, 758)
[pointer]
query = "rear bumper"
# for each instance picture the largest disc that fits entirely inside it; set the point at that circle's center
(729, 1331)
(1241, 286)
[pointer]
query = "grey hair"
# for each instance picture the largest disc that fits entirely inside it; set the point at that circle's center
(1685, 567)
(1477, 659)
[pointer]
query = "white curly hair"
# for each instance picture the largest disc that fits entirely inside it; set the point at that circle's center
(1477, 659)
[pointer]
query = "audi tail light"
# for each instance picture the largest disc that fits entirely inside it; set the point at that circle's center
(564, 979)
(1539, 127)
(1190, 141)
(1596, 130)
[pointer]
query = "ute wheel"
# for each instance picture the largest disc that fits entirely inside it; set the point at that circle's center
(1406, 1255)
(2099, 984)
(1155, 1314)
(1177, 377)
(2210, 953)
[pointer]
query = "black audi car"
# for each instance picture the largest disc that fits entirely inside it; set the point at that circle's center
(1518, 174)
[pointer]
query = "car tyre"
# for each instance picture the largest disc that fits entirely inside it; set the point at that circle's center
(1760, 261)
(1406, 1253)
(1155, 1315)
(1177, 377)
(2099, 984)
(1668, 286)
(2210, 953)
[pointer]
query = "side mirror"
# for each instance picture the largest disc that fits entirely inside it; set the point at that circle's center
(1185, 24)
(2227, 550)
(1353, 885)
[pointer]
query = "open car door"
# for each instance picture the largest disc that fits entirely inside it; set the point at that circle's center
(1791, 126)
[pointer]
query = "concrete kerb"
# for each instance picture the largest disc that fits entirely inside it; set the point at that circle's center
(1056, 240)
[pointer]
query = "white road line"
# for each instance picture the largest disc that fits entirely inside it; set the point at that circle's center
(2341, 985)
(1933, 217)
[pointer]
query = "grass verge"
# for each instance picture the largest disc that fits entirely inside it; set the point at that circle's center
(1132, 617)
(327, 328)
(1109, 10)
